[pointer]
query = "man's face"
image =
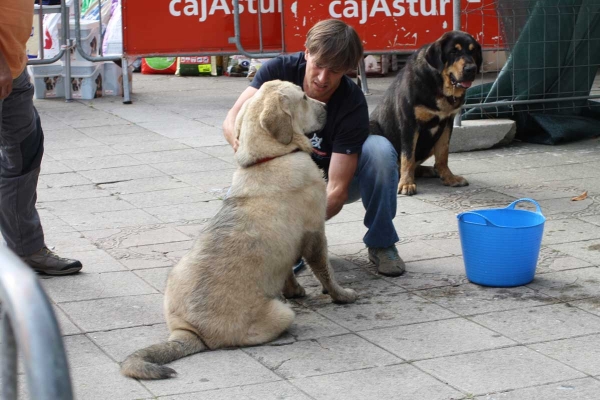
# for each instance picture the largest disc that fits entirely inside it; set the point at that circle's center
(319, 82)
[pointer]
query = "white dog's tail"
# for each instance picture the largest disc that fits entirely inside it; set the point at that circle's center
(148, 363)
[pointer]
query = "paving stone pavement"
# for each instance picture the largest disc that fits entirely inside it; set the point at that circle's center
(127, 188)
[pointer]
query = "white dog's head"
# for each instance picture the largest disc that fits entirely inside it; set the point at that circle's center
(275, 121)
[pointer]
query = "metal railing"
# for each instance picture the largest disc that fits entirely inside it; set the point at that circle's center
(29, 326)
(41, 10)
(101, 57)
(67, 43)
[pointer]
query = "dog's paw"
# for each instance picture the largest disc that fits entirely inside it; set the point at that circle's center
(294, 293)
(455, 181)
(407, 189)
(345, 296)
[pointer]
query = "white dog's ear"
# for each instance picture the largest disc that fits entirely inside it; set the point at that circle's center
(276, 117)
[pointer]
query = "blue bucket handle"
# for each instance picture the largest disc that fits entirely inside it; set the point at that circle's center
(514, 203)
(487, 221)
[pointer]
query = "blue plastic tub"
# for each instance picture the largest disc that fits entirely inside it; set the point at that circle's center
(501, 246)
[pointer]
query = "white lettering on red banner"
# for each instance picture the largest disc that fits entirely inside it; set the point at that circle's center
(386, 8)
(361, 10)
(206, 8)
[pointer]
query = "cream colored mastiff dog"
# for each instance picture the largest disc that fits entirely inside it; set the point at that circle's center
(226, 291)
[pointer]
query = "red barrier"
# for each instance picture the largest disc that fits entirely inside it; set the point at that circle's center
(393, 25)
(198, 26)
(205, 26)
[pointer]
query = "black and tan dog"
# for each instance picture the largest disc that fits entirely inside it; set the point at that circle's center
(417, 111)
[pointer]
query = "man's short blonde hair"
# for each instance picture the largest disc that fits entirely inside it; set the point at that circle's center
(334, 45)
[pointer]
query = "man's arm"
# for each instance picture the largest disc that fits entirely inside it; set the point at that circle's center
(5, 78)
(341, 172)
(229, 123)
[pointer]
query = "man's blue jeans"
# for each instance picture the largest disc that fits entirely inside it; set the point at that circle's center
(376, 183)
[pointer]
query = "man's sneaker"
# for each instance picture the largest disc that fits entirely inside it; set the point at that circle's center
(387, 260)
(47, 262)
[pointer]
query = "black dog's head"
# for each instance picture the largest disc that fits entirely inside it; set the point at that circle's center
(457, 56)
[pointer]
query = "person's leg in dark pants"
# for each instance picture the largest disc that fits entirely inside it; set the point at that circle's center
(21, 151)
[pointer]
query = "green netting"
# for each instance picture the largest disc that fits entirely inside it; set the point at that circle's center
(556, 54)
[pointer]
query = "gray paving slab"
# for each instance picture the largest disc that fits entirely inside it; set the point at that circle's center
(144, 185)
(263, 391)
(539, 324)
(115, 312)
(470, 299)
(322, 356)
(127, 188)
(171, 156)
(89, 205)
(383, 310)
(88, 286)
(436, 339)
(108, 175)
(109, 219)
(101, 162)
(581, 353)
(497, 370)
(580, 389)
(155, 277)
(569, 285)
(445, 265)
(54, 167)
(213, 370)
(64, 153)
(69, 193)
(65, 179)
(398, 382)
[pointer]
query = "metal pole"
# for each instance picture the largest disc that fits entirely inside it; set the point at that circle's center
(66, 43)
(456, 15)
(100, 52)
(126, 89)
(363, 77)
(236, 39)
(35, 331)
(456, 27)
(9, 360)
(41, 31)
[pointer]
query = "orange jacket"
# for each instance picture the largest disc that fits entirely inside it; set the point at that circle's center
(16, 20)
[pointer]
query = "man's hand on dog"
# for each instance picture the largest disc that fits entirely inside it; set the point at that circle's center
(5, 78)
(229, 134)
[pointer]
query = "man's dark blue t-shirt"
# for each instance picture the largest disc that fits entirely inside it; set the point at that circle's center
(347, 125)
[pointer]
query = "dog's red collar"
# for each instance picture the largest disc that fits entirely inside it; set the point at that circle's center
(266, 159)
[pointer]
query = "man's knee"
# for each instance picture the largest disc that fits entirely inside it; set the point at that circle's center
(378, 154)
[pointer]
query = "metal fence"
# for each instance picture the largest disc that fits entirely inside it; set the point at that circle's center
(29, 326)
(545, 61)
(69, 44)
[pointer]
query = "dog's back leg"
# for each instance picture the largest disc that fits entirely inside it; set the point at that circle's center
(440, 151)
(314, 250)
(426, 172)
(147, 363)
(272, 320)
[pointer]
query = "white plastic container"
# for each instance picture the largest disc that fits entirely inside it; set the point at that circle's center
(48, 80)
(87, 81)
(113, 79)
(90, 39)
